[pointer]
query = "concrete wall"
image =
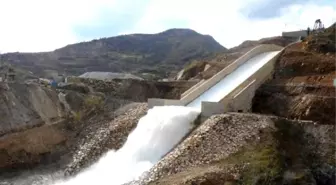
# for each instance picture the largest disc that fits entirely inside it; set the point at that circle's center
(242, 101)
(301, 33)
(211, 108)
(192, 88)
(162, 102)
(238, 99)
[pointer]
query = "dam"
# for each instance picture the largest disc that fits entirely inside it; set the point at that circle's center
(167, 122)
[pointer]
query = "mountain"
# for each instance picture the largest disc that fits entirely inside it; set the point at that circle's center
(157, 54)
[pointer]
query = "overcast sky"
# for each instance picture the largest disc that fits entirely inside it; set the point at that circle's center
(44, 25)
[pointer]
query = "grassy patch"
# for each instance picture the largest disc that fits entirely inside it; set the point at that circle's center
(93, 101)
(193, 65)
(77, 116)
(261, 162)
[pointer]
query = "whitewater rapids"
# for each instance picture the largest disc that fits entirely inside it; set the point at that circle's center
(158, 132)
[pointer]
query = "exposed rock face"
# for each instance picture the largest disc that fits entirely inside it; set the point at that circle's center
(250, 149)
(296, 101)
(27, 105)
(132, 89)
(32, 125)
(33, 146)
(302, 87)
(38, 125)
(297, 61)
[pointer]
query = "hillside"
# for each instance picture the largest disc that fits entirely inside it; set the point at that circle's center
(157, 54)
(302, 87)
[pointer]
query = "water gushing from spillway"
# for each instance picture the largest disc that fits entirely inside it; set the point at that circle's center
(155, 135)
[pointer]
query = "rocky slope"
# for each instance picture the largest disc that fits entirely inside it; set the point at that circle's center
(157, 54)
(24, 106)
(302, 87)
(133, 89)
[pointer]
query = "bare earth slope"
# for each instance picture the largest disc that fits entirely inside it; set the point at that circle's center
(302, 87)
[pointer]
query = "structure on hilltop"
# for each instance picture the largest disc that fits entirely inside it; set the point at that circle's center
(106, 76)
(318, 27)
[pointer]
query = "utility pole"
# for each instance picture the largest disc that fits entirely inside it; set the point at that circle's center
(318, 26)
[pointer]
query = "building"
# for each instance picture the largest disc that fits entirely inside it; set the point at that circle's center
(296, 34)
(107, 76)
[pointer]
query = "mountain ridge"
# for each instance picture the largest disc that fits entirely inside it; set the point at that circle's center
(158, 54)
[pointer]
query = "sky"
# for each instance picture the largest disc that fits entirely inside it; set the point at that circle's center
(45, 25)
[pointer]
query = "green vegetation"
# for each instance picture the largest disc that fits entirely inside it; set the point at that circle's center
(287, 155)
(194, 65)
(77, 116)
(91, 104)
(93, 101)
(262, 164)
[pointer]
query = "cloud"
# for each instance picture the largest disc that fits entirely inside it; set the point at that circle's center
(39, 25)
(225, 21)
(266, 9)
(112, 20)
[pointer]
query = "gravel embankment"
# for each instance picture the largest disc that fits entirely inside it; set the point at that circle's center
(218, 137)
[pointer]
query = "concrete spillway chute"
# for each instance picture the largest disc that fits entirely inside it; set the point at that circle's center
(231, 89)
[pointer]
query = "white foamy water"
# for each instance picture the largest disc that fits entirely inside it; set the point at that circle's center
(155, 135)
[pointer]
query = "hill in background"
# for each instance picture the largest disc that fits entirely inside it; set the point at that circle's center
(155, 54)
